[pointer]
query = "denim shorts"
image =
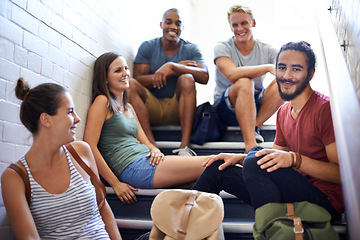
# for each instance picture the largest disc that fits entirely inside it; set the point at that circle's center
(139, 174)
(226, 111)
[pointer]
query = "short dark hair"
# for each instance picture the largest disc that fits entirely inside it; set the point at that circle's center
(169, 11)
(44, 98)
(301, 46)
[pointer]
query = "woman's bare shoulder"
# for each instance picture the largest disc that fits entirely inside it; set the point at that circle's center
(84, 151)
(10, 176)
(101, 100)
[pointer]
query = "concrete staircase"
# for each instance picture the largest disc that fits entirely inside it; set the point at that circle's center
(169, 137)
(134, 220)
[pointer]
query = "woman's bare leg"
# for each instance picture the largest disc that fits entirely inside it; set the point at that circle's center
(178, 170)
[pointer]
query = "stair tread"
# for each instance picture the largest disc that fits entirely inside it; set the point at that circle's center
(232, 134)
(211, 145)
(234, 227)
(229, 128)
(156, 191)
(238, 216)
(228, 226)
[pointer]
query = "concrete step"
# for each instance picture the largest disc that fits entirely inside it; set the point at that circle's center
(232, 134)
(208, 148)
(235, 209)
(134, 220)
(169, 138)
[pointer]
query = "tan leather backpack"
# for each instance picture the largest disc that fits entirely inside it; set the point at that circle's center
(187, 215)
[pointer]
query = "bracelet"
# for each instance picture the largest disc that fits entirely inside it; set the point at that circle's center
(292, 159)
(298, 160)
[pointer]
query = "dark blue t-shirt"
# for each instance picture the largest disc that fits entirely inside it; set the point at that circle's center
(151, 52)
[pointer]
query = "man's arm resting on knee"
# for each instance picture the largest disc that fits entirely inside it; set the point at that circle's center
(227, 67)
(197, 69)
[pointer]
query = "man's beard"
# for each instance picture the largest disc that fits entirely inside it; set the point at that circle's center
(299, 89)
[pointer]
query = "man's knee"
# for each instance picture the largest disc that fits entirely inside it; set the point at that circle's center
(250, 164)
(209, 180)
(212, 171)
(133, 83)
(244, 85)
(186, 82)
(136, 88)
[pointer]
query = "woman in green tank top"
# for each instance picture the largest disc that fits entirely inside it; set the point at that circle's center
(118, 140)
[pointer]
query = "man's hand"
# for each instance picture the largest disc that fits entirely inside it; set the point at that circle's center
(274, 159)
(162, 74)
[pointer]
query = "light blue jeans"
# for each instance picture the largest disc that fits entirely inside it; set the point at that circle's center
(139, 174)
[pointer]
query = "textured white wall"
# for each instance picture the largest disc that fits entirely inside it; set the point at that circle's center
(58, 41)
(347, 25)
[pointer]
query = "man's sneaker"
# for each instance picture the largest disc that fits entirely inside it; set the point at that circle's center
(258, 137)
(186, 151)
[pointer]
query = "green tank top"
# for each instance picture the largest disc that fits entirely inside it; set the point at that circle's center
(118, 143)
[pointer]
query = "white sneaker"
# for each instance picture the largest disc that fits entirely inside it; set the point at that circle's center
(186, 151)
(258, 137)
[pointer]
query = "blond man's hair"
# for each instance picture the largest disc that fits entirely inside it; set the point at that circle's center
(240, 8)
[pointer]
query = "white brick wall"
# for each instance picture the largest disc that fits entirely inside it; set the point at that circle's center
(59, 41)
(346, 22)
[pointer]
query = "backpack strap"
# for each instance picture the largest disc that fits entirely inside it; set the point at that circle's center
(95, 180)
(99, 186)
(25, 179)
(298, 228)
(185, 217)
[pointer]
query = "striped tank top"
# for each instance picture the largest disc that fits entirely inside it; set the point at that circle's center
(72, 214)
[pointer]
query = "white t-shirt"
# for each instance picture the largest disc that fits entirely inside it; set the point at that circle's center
(262, 53)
